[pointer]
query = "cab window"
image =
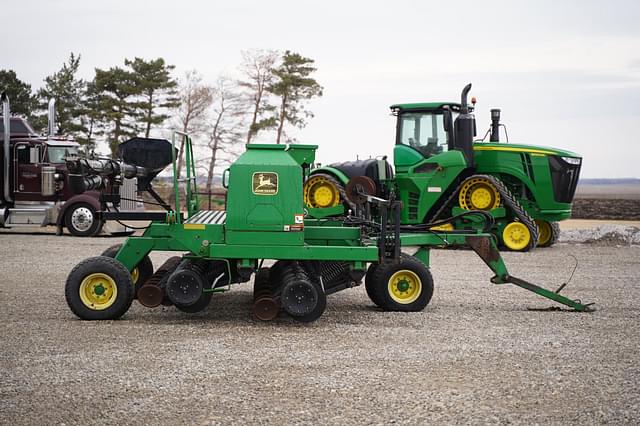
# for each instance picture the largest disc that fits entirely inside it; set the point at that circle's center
(57, 154)
(424, 132)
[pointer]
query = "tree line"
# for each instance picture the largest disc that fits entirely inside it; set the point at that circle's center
(267, 96)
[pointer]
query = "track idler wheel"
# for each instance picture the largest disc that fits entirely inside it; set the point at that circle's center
(479, 194)
(322, 191)
(549, 233)
(516, 236)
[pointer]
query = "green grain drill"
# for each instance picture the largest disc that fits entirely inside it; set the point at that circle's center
(297, 260)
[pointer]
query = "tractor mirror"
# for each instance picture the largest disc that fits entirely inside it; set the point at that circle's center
(446, 119)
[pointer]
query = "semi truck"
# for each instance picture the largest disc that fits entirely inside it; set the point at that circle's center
(35, 180)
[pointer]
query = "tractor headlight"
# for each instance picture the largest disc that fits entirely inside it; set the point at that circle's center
(572, 160)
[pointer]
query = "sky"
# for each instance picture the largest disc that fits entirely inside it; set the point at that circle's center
(566, 74)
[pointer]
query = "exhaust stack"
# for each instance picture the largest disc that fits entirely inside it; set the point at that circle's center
(6, 114)
(52, 118)
(465, 128)
(495, 125)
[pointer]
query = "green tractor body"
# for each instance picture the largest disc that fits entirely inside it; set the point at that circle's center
(440, 171)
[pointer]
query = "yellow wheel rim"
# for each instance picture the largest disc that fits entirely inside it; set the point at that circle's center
(545, 232)
(516, 236)
(479, 194)
(135, 274)
(98, 291)
(404, 287)
(320, 192)
(443, 227)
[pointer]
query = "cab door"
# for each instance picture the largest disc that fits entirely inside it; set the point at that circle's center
(27, 166)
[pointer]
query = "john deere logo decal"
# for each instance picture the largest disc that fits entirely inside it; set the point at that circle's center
(265, 183)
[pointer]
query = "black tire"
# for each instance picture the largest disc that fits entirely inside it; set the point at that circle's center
(369, 284)
(319, 308)
(555, 235)
(205, 298)
(81, 219)
(416, 271)
(200, 305)
(108, 274)
(145, 268)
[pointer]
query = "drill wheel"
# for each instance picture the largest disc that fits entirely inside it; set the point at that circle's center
(405, 286)
(140, 274)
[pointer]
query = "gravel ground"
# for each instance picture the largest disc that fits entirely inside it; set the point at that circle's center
(475, 355)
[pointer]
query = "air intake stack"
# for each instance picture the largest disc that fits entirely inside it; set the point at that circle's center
(465, 128)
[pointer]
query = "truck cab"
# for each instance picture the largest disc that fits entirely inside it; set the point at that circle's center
(35, 190)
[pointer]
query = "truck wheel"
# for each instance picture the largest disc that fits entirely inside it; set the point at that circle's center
(549, 233)
(404, 286)
(82, 220)
(140, 274)
(99, 288)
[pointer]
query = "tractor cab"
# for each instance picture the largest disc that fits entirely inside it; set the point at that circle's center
(422, 126)
(425, 130)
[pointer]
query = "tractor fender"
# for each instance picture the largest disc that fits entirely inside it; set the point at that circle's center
(91, 197)
(332, 171)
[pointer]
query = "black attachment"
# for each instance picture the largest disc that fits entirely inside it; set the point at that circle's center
(495, 125)
(465, 129)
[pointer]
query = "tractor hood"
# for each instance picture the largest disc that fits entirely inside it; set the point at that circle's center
(531, 149)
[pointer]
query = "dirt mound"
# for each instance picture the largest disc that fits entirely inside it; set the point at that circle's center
(596, 208)
(607, 235)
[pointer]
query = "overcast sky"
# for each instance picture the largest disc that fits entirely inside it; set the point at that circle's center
(566, 74)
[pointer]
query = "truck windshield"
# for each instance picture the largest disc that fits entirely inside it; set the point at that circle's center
(58, 153)
(423, 131)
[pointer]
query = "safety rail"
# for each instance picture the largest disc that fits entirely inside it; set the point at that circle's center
(191, 188)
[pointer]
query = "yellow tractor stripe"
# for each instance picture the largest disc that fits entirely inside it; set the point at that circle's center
(513, 149)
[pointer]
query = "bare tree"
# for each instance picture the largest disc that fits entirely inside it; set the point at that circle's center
(195, 100)
(257, 74)
(226, 126)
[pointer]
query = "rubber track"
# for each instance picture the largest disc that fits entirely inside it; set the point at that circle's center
(509, 201)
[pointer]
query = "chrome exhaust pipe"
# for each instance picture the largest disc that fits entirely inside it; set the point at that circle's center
(6, 114)
(52, 117)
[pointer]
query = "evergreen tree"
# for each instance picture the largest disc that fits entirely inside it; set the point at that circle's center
(293, 85)
(90, 117)
(157, 90)
(68, 92)
(116, 105)
(23, 103)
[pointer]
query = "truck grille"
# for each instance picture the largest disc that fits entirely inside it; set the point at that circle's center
(564, 177)
(128, 192)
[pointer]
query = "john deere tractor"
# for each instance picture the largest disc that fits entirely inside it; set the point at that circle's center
(441, 172)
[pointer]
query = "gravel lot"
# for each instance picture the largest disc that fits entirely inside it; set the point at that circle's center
(475, 355)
